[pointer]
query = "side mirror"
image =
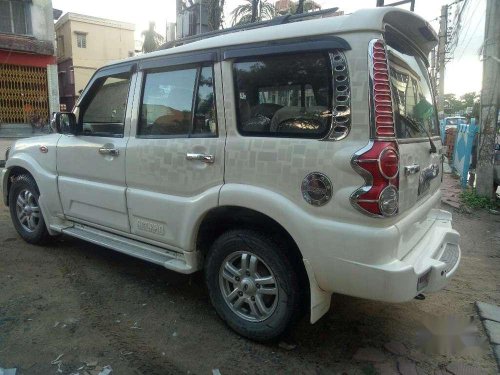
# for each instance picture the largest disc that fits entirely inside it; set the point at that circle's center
(64, 122)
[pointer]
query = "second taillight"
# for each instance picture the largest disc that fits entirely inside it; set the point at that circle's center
(378, 162)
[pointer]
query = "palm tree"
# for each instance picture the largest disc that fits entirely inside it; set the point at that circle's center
(253, 11)
(152, 40)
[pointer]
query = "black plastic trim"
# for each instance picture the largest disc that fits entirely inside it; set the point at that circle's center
(178, 59)
(281, 47)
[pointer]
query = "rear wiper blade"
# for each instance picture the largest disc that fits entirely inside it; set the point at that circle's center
(433, 149)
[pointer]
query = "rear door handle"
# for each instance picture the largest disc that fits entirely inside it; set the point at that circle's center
(205, 158)
(109, 151)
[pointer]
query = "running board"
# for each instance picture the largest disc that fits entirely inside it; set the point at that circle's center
(169, 259)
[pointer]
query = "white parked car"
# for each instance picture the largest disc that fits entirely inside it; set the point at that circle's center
(289, 162)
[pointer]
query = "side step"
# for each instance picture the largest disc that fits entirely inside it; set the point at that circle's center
(169, 259)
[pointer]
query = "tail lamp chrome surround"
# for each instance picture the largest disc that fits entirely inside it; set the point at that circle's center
(381, 129)
(341, 101)
(380, 92)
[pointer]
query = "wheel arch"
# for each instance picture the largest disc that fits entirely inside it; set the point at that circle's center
(11, 173)
(223, 218)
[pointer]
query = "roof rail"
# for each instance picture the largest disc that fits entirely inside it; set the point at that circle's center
(249, 26)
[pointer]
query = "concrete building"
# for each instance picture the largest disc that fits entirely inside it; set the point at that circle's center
(28, 70)
(84, 44)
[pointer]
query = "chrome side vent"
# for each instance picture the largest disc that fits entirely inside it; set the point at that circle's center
(341, 114)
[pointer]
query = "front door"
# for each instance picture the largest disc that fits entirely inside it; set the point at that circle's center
(175, 163)
(91, 164)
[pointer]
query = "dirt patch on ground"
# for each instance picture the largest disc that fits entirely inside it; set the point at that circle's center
(102, 308)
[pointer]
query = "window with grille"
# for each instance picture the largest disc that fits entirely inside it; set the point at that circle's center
(60, 46)
(15, 17)
(81, 40)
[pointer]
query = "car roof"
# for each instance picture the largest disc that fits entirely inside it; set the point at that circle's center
(373, 19)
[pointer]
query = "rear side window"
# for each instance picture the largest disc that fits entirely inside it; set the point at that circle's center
(284, 96)
(178, 103)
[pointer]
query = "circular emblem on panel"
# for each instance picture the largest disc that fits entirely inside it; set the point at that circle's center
(316, 189)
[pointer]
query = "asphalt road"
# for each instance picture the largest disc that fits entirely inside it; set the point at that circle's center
(76, 307)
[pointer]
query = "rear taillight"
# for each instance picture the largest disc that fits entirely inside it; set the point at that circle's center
(378, 162)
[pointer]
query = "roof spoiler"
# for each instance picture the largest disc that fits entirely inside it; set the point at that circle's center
(414, 28)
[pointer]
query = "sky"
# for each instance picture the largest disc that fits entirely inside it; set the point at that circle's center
(463, 72)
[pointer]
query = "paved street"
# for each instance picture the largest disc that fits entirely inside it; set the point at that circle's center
(96, 307)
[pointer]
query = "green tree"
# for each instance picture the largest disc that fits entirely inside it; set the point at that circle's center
(252, 11)
(451, 104)
(215, 14)
(152, 40)
(471, 100)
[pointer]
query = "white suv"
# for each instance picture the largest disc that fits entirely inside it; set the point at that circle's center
(289, 161)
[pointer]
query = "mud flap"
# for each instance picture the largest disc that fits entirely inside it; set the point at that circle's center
(320, 300)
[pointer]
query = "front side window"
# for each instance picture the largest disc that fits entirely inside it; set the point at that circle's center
(104, 115)
(81, 40)
(284, 96)
(15, 17)
(170, 107)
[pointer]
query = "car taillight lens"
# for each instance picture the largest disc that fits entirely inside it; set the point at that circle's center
(378, 162)
(388, 163)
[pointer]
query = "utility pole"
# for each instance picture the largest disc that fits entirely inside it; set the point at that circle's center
(489, 100)
(443, 26)
(433, 71)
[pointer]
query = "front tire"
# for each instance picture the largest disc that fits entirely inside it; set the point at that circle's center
(252, 284)
(25, 210)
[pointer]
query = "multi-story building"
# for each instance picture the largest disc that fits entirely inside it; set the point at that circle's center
(28, 70)
(84, 44)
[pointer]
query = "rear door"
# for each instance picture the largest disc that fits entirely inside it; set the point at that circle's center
(417, 127)
(175, 158)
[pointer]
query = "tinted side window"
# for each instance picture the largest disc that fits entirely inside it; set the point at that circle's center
(284, 96)
(104, 115)
(168, 101)
(205, 122)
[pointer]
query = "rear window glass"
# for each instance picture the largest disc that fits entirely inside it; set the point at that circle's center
(414, 107)
(284, 96)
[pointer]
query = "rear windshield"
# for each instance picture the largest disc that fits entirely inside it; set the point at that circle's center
(412, 96)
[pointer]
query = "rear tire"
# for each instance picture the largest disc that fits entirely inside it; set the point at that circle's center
(25, 210)
(253, 285)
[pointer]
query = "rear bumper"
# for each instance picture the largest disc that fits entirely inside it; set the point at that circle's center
(427, 267)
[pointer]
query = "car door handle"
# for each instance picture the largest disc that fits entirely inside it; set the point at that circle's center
(412, 169)
(109, 151)
(209, 159)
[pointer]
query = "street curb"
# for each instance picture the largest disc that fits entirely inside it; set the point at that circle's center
(487, 312)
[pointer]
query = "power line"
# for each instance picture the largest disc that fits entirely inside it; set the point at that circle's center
(470, 17)
(470, 39)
